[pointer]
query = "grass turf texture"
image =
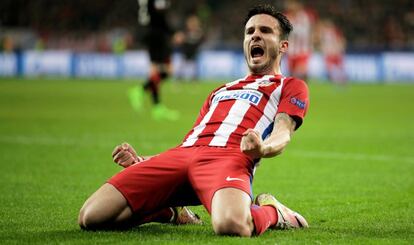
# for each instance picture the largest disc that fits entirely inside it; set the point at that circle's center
(349, 170)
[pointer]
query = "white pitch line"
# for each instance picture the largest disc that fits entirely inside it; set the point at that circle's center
(352, 156)
(63, 141)
(30, 140)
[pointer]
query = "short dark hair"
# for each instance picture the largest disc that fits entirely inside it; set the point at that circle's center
(285, 25)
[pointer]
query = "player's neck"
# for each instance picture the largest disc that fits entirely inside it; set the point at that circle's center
(273, 72)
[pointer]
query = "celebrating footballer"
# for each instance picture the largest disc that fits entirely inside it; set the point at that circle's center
(239, 123)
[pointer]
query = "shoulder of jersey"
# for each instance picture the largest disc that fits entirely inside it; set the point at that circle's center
(294, 80)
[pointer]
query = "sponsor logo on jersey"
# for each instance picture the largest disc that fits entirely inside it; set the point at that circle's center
(265, 83)
(297, 102)
(233, 179)
(250, 96)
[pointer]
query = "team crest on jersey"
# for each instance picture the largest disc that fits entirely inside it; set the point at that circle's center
(251, 96)
(264, 83)
(297, 102)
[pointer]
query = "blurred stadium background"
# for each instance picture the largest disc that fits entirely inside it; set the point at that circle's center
(74, 38)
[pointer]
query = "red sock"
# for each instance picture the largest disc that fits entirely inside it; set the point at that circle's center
(263, 217)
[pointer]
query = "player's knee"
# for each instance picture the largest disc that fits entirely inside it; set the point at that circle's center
(83, 219)
(88, 219)
(106, 208)
(231, 225)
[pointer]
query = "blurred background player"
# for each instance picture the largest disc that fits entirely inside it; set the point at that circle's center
(301, 39)
(190, 40)
(332, 44)
(152, 15)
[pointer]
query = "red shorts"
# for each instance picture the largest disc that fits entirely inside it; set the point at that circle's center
(297, 63)
(333, 61)
(183, 176)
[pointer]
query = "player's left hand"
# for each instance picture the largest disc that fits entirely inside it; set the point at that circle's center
(125, 156)
(252, 144)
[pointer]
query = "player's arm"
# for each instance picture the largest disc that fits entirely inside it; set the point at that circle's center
(254, 146)
(125, 155)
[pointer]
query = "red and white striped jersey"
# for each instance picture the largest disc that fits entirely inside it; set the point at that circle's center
(331, 40)
(300, 40)
(250, 102)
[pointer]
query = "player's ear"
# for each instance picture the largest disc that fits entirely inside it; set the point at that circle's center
(283, 46)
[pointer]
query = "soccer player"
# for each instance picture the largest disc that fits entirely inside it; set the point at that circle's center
(301, 39)
(190, 40)
(332, 44)
(152, 14)
(239, 123)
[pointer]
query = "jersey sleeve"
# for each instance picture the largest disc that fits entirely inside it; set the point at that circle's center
(294, 100)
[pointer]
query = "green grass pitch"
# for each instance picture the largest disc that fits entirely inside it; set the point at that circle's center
(349, 169)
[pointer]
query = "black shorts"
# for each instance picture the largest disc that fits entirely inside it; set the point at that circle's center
(159, 46)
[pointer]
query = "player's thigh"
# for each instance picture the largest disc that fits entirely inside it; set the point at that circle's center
(219, 168)
(159, 48)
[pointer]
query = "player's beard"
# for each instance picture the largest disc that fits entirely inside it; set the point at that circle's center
(267, 67)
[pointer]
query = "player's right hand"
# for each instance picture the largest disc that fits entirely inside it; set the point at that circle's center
(125, 156)
(252, 144)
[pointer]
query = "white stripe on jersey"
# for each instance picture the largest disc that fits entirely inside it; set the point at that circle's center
(270, 110)
(230, 123)
(192, 138)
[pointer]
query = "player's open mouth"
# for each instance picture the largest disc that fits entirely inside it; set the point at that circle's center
(256, 52)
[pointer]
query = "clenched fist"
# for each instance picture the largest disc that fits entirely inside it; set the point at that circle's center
(125, 156)
(252, 144)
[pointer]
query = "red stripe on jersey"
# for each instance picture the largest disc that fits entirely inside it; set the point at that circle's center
(220, 113)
